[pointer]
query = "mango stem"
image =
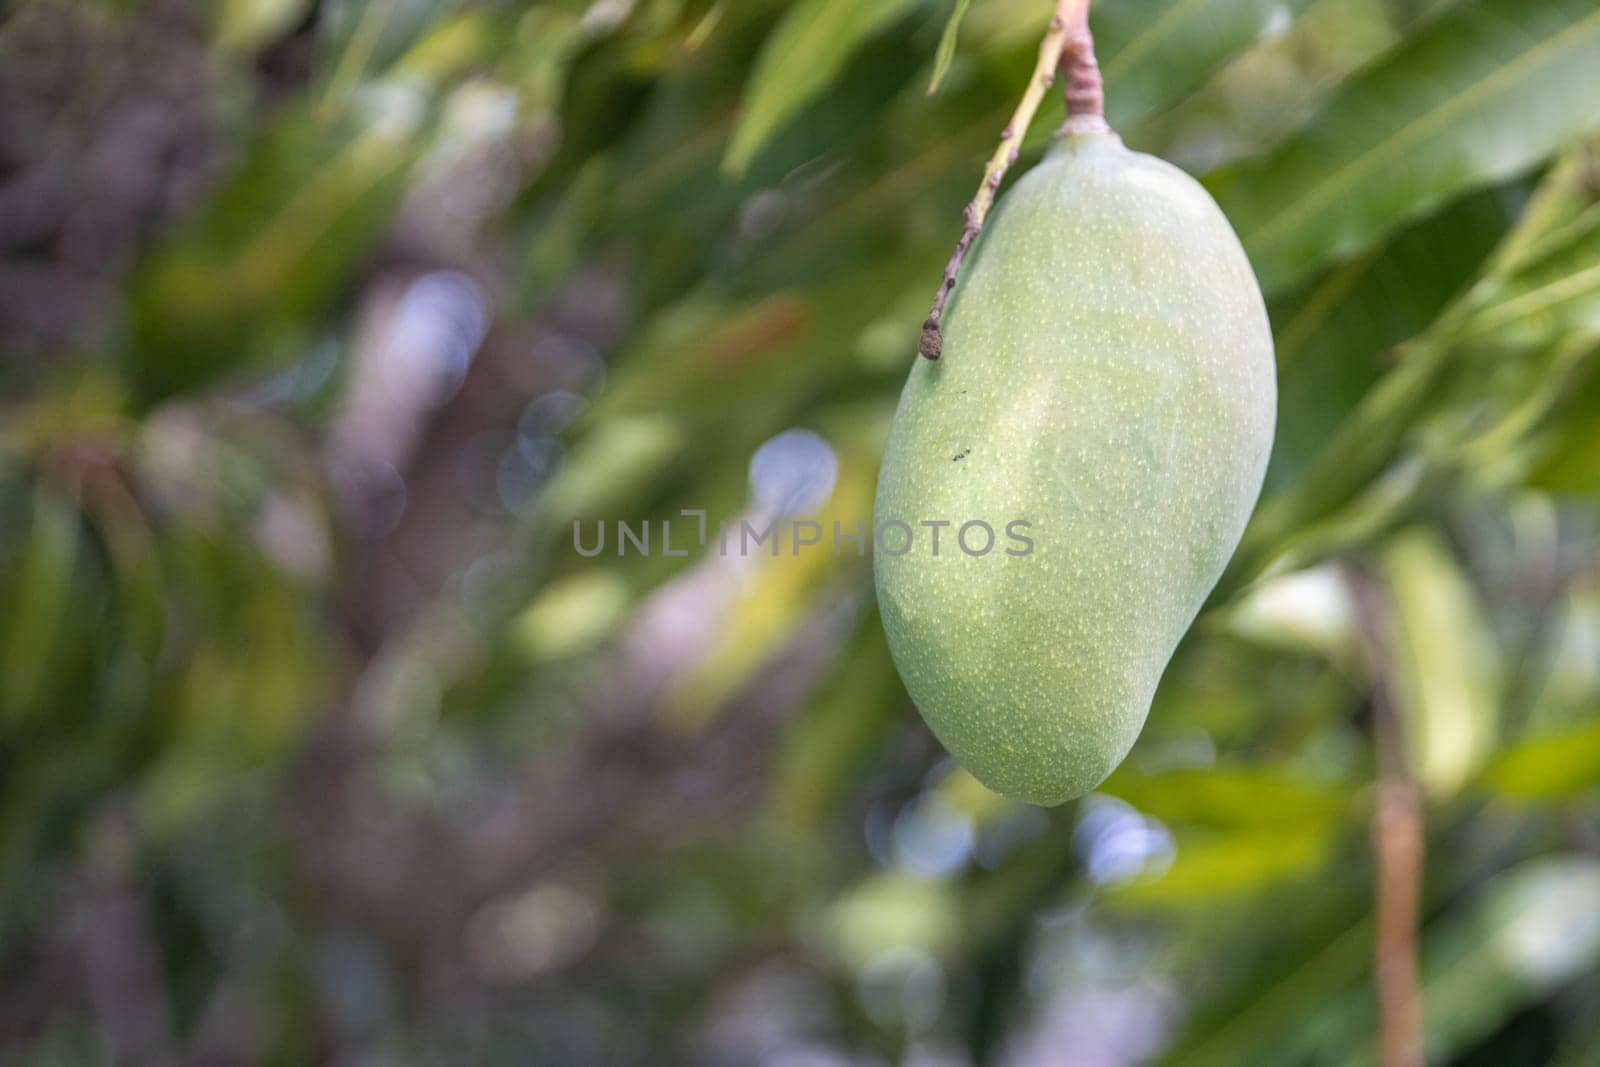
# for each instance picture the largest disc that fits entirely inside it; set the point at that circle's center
(1085, 91)
(1070, 23)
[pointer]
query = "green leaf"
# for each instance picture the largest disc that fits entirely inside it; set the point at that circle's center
(1152, 54)
(1213, 867)
(1564, 195)
(946, 53)
(1570, 460)
(37, 607)
(1549, 767)
(1445, 662)
(1543, 268)
(1485, 92)
(1361, 449)
(244, 25)
(1526, 932)
(1236, 796)
(621, 456)
(822, 755)
(1555, 295)
(269, 254)
(801, 59)
(1334, 335)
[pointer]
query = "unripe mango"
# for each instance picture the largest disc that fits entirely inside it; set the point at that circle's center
(1108, 378)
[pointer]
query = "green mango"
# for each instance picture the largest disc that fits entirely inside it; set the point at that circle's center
(1108, 380)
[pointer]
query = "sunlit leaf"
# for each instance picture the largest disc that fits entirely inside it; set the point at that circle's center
(1445, 662)
(1549, 767)
(889, 912)
(573, 615)
(245, 24)
(1216, 867)
(1230, 796)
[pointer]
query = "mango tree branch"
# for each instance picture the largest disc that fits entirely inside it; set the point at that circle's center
(1397, 838)
(1068, 26)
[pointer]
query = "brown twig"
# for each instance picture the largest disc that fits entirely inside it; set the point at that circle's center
(1066, 42)
(1397, 840)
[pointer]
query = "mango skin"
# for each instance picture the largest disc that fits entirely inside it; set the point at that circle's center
(1107, 375)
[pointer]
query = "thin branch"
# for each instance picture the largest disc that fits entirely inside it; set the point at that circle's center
(1397, 839)
(1068, 26)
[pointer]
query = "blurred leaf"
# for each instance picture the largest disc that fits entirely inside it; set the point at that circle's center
(776, 598)
(890, 912)
(805, 53)
(1482, 93)
(1326, 507)
(357, 37)
(573, 614)
(242, 25)
(1564, 195)
(1353, 456)
(1502, 441)
(1551, 297)
(1445, 663)
(946, 53)
(1551, 240)
(1333, 336)
(1505, 942)
(621, 456)
(451, 49)
(1230, 796)
(1304, 609)
(1549, 767)
(547, 41)
(134, 552)
(478, 685)
(1528, 930)
(270, 253)
(1292, 960)
(1215, 867)
(1154, 52)
(835, 736)
(1571, 459)
(36, 606)
(247, 687)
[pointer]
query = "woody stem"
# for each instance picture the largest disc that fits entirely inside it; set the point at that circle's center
(1066, 44)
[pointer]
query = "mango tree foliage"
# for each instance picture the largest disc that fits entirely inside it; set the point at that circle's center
(320, 740)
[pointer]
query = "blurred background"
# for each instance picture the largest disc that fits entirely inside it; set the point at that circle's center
(321, 321)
